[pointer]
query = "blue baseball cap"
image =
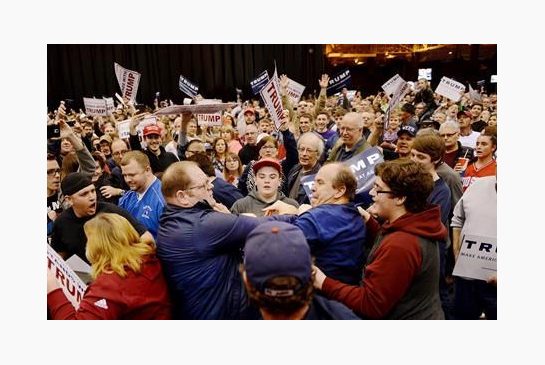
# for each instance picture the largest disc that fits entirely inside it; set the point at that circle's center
(277, 249)
(409, 129)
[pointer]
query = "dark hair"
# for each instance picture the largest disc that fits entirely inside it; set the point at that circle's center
(226, 174)
(430, 144)
(408, 179)
(204, 162)
(492, 132)
(339, 112)
(407, 107)
(324, 112)
(282, 305)
(97, 156)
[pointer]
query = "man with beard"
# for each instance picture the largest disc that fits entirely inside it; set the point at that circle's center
(68, 236)
(159, 158)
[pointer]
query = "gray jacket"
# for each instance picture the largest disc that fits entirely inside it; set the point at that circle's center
(253, 204)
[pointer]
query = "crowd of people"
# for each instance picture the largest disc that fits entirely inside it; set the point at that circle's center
(190, 221)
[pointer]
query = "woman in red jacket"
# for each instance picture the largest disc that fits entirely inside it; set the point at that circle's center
(128, 280)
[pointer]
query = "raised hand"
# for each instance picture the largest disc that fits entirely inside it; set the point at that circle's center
(284, 82)
(324, 81)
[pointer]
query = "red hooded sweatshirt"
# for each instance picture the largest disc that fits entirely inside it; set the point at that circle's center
(401, 278)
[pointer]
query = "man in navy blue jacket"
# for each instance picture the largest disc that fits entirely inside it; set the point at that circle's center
(200, 246)
(333, 227)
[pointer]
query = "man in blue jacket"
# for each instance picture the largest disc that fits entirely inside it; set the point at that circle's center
(144, 201)
(200, 246)
(333, 227)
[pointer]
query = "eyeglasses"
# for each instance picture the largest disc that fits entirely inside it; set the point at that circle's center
(202, 186)
(376, 187)
(447, 134)
(52, 172)
(307, 150)
(347, 129)
(120, 153)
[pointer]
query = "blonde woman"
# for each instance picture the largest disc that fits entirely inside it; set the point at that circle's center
(128, 282)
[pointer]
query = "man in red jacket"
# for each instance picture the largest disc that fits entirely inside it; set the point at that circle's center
(401, 278)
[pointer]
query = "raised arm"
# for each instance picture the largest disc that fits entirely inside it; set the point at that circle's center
(322, 97)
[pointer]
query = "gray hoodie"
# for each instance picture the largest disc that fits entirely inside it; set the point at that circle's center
(253, 204)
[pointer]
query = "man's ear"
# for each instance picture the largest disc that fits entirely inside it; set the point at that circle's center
(400, 200)
(340, 192)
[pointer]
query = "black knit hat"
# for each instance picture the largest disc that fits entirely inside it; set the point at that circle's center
(74, 182)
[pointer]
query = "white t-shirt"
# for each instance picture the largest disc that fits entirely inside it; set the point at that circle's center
(469, 141)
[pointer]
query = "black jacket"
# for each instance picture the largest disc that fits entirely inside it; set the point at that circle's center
(158, 163)
(301, 197)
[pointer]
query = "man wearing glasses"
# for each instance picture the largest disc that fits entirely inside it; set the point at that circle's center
(450, 132)
(351, 136)
(53, 184)
(401, 277)
(200, 247)
(310, 147)
(119, 186)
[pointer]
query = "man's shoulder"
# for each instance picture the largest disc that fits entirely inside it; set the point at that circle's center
(109, 207)
(66, 216)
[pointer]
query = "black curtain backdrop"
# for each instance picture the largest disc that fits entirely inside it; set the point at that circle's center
(87, 70)
(77, 71)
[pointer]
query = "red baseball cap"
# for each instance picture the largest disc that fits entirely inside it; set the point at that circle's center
(267, 162)
(152, 129)
(249, 110)
(463, 113)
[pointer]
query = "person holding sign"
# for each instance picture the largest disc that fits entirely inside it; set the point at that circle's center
(128, 281)
(475, 215)
(401, 278)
